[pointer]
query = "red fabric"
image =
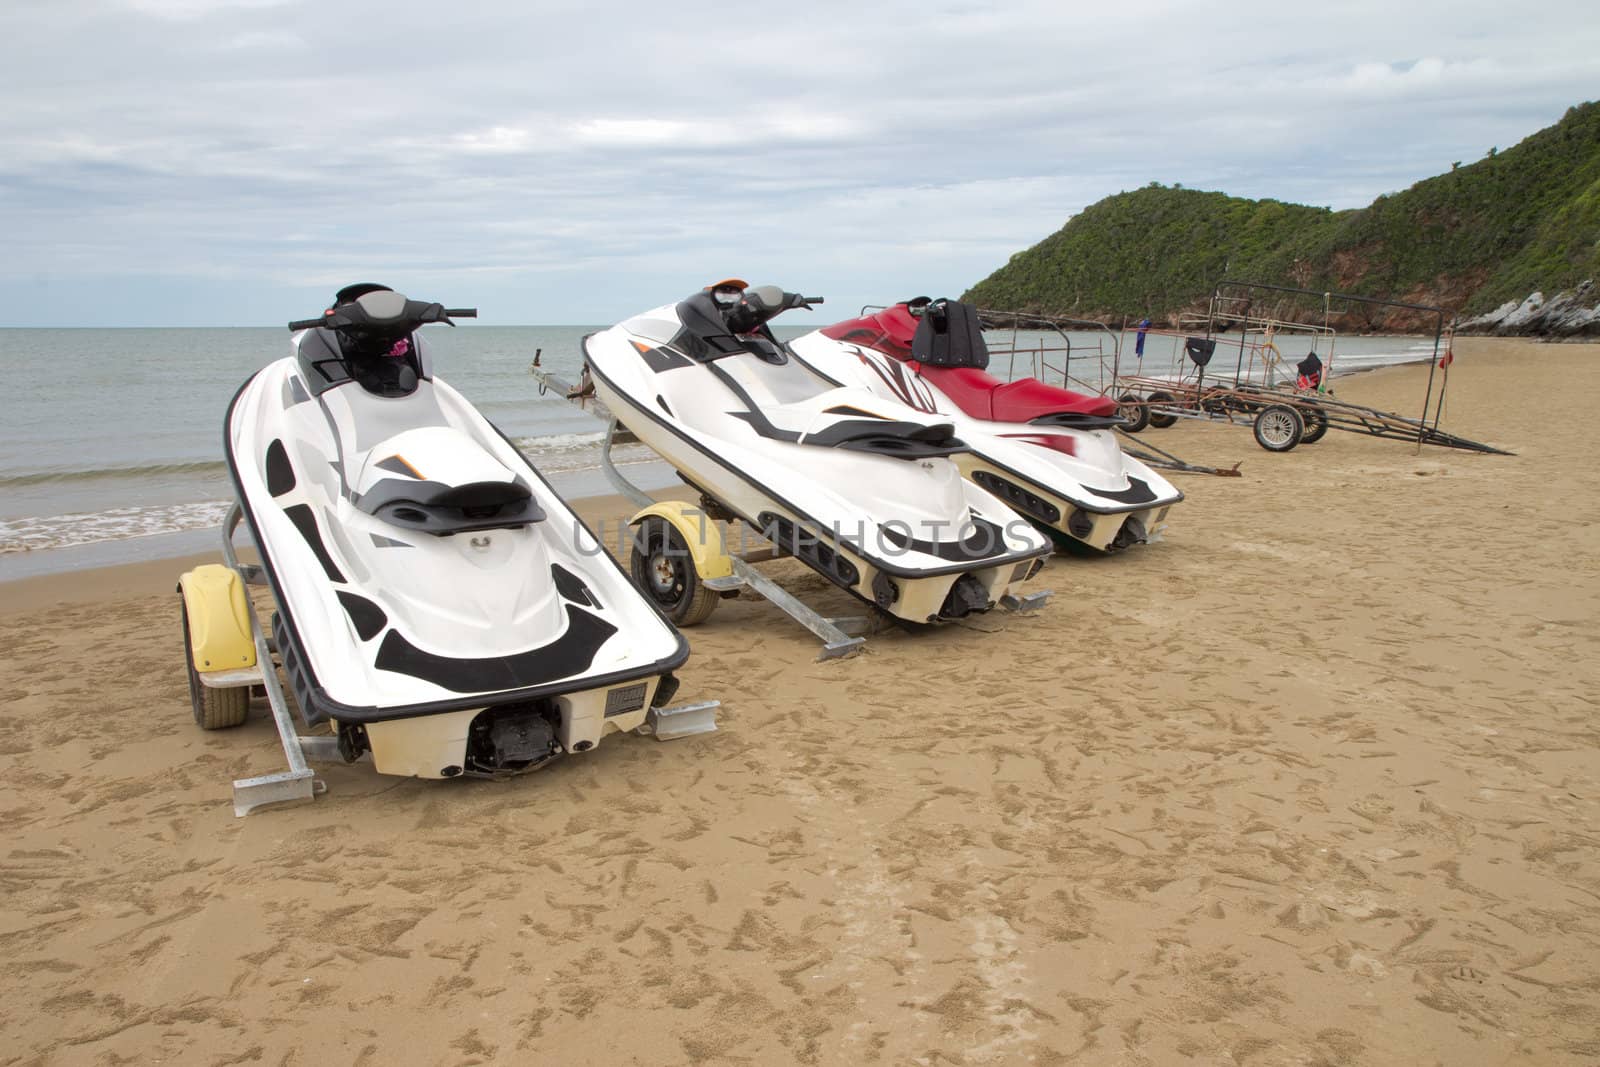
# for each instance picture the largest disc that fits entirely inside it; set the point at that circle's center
(983, 396)
(970, 388)
(1029, 398)
(978, 393)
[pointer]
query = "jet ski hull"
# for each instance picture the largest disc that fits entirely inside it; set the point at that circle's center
(428, 746)
(486, 649)
(1075, 484)
(1101, 528)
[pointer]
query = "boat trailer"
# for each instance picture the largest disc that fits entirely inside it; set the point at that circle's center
(1285, 404)
(236, 660)
(1048, 352)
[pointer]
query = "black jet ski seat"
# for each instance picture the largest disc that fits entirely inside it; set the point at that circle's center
(439, 509)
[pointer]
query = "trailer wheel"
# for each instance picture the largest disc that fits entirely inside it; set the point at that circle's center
(1316, 421)
(664, 569)
(214, 709)
(1161, 419)
(1135, 412)
(1278, 428)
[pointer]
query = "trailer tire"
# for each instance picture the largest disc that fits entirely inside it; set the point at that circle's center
(1316, 421)
(1279, 428)
(1161, 419)
(663, 568)
(214, 709)
(1135, 412)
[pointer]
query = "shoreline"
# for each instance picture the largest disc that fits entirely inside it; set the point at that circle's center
(185, 544)
(147, 577)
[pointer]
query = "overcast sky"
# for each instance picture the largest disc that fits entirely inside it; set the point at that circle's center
(231, 162)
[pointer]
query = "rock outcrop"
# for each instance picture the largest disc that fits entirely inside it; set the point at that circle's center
(1570, 315)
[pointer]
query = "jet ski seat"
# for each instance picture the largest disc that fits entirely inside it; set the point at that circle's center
(439, 509)
(983, 396)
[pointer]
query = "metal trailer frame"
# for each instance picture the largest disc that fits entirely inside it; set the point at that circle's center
(841, 636)
(299, 783)
(1282, 413)
(1039, 355)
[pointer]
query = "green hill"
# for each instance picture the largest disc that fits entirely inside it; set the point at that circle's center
(1493, 231)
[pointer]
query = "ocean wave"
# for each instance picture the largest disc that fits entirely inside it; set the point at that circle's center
(114, 524)
(572, 452)
(562, 451)
(558, 442)
(127, 473)
(561, 454)
(1410, 355)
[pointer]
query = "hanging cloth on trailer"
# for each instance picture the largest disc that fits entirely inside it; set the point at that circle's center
(1310, 371)
(1138, 341)
(1200, 349)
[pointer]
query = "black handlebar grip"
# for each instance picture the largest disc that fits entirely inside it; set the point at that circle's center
(813, 300)
(461, 313)
(307, 324)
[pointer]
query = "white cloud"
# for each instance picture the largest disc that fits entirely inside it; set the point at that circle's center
(846, 148)
(611, 132)
(184, 10)
(497, 139)
(1399, 78)
(264, 40)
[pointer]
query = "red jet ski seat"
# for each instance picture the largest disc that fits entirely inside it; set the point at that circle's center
(945, 345)
(983, 396)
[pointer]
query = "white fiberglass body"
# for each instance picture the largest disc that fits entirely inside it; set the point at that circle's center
(437, 601)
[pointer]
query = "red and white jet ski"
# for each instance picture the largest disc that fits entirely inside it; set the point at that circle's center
(1050, 453)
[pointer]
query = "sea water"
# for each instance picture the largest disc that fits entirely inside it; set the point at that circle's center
(112, 444)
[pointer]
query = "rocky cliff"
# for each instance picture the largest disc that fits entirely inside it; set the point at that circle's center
(1475, 241)
(1573, 315)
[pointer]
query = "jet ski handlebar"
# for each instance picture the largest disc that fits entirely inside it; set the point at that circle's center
(384, 310)
(763, 303)
(772, 301)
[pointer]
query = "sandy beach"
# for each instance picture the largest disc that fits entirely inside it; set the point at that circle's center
(1314, 781)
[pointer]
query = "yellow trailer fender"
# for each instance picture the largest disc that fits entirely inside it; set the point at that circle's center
(704, 537)
(219, 624)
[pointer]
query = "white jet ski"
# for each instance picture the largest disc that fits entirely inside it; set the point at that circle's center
(862, 489)
(1050, 453)
(438, 603)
